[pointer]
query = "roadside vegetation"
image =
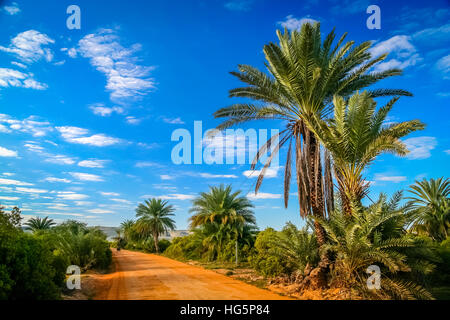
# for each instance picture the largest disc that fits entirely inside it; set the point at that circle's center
(33, 264)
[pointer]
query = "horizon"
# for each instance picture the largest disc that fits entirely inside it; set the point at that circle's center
(87, 115)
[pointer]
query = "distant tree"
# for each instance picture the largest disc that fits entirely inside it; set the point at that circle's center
(154, 219)
(37, 224)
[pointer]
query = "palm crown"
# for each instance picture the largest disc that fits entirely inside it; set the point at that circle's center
(35, 224)
(154, 218)
(221, 206)
(355, 136)
(304, 75)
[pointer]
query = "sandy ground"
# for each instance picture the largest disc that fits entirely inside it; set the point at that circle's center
(151, 277)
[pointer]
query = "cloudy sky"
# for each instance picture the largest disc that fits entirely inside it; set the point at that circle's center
(86, 116)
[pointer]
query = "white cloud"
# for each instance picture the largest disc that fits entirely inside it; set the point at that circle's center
(114, 194)
(92, 163)
(53, 179)
(9, 198)
(14, 182)
(144, 164)
(70, 195)
(263, 195)
(59, 159)
(30, 46)
(101, 110)
(173, 120)
(72, 52)
(121, 200)
(80, 136)
(7, 153)
(292, 23)
(212, 176)
(387, 178)
(125, 78)
(15, 78)
(86, 176)
(133, 120)
(99, 211)
(166, 177)
(147, 145)
(443, 65)
(30, 190)
(172, 196)
(8, 174)
(31, 125)
(399, 47)
(420, 147)
(18, 64)
(13, 9)
(270, 173)
(447, 151)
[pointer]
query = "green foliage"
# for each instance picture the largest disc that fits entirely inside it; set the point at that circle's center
(79, 245)
(28, 268)
(39, 224)
(429, 208)
(375, 236)
(304, 72)
(154, 219)
(356, 136)
(290, 250)
(263, 260)
(186, 248)
(163, 245)
(220, 218)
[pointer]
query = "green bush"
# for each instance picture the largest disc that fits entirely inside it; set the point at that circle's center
(186, 248)
(263, 260)
(163, 245)
(28, 268)
(79, 245)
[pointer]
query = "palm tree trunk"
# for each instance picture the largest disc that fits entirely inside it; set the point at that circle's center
(155, 237)
(311, 196)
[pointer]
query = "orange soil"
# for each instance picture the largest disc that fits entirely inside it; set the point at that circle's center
(151, 277)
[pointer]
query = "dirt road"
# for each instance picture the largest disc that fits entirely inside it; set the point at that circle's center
(152, 277)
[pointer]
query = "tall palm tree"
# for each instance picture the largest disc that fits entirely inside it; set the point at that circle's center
(304, 75)
(355, 136)
(430, 207)
(37, 224)
(223, 214)
(154, 218)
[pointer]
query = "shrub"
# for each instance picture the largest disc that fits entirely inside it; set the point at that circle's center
(28, 269)
(163, 245)
(263, 260)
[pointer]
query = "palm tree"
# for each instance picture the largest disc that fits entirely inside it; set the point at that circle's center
(304, 75)
(355, 137)
(430, 208)
(224, 214)
(154, 218)
(127, 227)
(370, 237)
(37, 224)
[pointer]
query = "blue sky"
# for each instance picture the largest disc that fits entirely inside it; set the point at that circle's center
(86, 116)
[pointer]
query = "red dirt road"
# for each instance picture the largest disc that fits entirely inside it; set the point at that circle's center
(141, 276)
